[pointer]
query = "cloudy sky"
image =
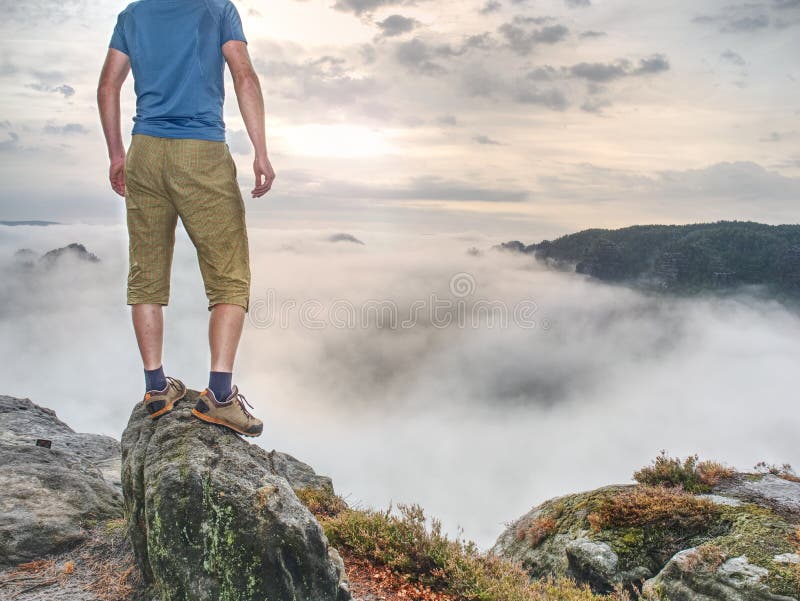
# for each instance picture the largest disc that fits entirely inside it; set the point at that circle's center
(514, 118)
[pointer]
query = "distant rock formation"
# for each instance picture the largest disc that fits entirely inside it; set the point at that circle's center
(789, 266)
(735, 543)
(515, 246)
(606, 262)
(720, 256)
(75, 250)
(344, 238)
(213, 517)
(29, 222)
(26, 259)
(51, 497)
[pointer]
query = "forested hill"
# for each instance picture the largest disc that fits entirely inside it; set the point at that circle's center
(681, 258)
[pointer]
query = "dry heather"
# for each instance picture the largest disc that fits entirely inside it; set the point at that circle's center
(690, 474)
(654, 506)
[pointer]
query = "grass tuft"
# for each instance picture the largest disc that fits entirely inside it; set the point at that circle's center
(784, 471)
(690, 474)
(406, 544)
(322, 502)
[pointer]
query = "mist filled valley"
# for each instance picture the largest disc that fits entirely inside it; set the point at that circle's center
(413, 369)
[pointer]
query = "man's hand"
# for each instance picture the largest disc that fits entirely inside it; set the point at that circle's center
(116, 174)
(265, 175)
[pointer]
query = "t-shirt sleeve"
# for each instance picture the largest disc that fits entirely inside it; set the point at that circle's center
(118, 37)
(231, 25)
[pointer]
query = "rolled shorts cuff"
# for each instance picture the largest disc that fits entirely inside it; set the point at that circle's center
(242, 301)
(148, 300)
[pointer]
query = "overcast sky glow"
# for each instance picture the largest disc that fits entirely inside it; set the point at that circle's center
(518, 118)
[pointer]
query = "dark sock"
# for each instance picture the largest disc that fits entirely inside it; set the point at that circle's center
(219, 382)
(154, 379)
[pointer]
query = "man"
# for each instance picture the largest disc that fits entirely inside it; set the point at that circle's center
(178, 165)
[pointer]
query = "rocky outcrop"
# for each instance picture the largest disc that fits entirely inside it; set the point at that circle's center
(344, 237)
(51, 497)
(74, 250)
(213, 517)
(780, 494)
(724, 257)
(789, 267)
(737, 542)
(514, 246)
(604, 260)
(668, 268)
(692, 575)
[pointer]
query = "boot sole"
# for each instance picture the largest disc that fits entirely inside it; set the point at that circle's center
(170, 407)
(219, 422)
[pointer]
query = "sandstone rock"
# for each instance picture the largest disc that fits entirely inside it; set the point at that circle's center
(51, 496)
(213, 517)
(787, 558)
(720, 500)
(571, 549)
(594, 562)
(781, 495)
(75, 250)
(688, 577)
(746, 549)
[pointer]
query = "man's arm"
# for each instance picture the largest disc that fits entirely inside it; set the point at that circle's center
(251, 105)
(115, 70)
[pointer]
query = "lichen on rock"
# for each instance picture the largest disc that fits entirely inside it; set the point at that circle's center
(213, 517)
(737, 543)
(51, 497)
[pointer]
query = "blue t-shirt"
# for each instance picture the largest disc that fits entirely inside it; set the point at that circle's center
(177, 63)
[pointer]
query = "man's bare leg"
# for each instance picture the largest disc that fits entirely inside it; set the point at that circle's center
(161, 393)
(224, 331)
(148, 323)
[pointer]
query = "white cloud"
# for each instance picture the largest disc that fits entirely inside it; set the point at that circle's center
(436, 415)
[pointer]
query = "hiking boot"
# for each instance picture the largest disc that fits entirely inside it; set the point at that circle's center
(230, 412)
(159, 402)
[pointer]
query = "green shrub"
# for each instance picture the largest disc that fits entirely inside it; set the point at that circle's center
(456, 567)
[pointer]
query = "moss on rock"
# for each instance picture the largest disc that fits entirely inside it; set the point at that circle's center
(646, 528)
(213, 517)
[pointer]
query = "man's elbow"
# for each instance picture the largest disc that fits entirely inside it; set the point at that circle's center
(247, 80)
(107, 89)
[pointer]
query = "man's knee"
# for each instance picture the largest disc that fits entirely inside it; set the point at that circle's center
(236, 294)
(147, 287)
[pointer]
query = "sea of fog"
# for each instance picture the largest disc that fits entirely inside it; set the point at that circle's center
(413, 370)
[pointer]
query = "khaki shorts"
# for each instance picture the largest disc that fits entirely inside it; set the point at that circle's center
(167, 178)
